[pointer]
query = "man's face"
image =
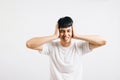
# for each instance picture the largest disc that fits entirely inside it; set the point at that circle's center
(65, 34)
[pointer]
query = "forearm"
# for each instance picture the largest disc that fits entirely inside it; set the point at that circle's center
(93, 39)
(39, 41)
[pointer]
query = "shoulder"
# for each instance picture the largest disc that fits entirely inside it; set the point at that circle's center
(80, 44)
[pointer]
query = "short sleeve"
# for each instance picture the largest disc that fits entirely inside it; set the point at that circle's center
(83, 47)
(46, 49)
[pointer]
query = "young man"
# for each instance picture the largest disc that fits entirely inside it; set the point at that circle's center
(65, 54)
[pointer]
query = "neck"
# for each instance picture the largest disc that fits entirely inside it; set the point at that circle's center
(65, 44)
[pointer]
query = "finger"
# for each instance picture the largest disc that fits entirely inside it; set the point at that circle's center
(72, 31)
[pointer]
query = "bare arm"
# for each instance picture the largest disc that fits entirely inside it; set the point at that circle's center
(37, 42)
(93, 40)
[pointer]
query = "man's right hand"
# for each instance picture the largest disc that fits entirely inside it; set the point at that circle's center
(56, 33)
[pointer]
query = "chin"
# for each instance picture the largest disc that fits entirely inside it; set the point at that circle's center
(67, 41)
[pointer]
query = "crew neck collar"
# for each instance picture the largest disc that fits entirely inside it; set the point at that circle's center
(64, 46)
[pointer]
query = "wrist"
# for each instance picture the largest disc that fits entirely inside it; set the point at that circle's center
(55, 36)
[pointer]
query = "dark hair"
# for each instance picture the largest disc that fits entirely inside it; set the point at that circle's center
(65, 22)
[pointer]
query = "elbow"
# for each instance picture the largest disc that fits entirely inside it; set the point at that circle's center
(31, 45)
(28, 44)
(103, 43)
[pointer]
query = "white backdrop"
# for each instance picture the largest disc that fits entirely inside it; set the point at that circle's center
(21, 20)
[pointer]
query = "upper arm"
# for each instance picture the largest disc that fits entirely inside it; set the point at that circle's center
(97, 44)
(36, 48)
(40, 48)
(93, 46)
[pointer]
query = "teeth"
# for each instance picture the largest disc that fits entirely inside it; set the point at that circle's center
(65, 38)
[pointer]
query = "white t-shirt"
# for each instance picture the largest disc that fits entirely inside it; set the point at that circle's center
(65, 62)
